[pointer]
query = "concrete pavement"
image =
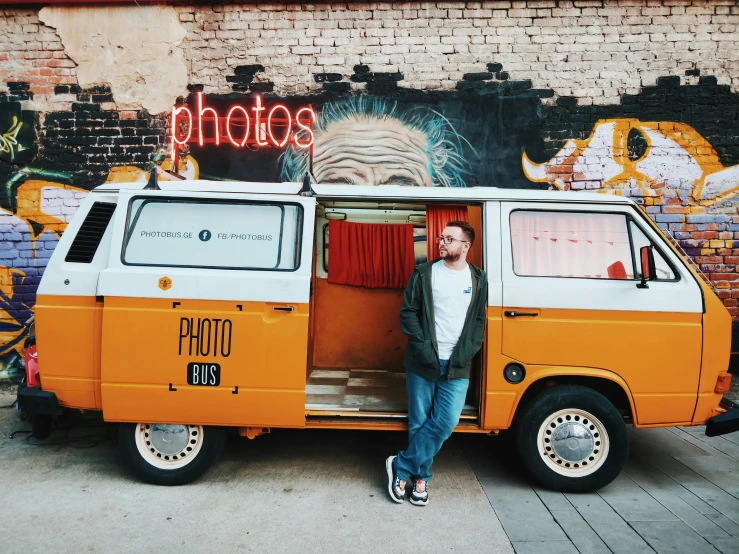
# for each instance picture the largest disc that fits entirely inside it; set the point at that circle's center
(289, 491)
(324, 491)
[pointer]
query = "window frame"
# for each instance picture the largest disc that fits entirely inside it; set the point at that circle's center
(82, 226)
(131, 222)
(628, 217)
(324, 243)
(658, 248)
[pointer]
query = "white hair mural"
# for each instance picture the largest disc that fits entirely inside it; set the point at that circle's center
(374, 141)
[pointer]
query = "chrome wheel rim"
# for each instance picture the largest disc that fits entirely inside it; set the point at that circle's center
(573, 442)
(168, 446)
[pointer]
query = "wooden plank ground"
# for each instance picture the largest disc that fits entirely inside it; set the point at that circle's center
(679, 492)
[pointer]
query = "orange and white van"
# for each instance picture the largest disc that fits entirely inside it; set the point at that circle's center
(183, 311)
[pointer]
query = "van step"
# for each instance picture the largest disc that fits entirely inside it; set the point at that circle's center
(327, 412)
(378, 424)
(361, 393)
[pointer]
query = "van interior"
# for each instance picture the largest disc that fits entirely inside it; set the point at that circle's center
(356, 347)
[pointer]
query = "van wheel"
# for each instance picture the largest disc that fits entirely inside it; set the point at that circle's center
(572, 439)
(170, 454)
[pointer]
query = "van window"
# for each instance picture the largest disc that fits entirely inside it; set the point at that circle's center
(213, 234)
(86, 242)
(662, 269)
(571, 244)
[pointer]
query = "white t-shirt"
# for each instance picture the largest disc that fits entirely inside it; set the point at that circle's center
(452, 292)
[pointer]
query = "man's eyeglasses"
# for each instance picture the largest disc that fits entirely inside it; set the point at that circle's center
(449, 240)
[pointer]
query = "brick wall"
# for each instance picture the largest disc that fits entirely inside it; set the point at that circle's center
(30, 52)
(591, 50)
(539, 82)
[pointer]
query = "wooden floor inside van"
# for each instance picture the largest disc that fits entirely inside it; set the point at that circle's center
(361, 391)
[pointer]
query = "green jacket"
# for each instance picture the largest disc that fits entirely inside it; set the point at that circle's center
(417, 321)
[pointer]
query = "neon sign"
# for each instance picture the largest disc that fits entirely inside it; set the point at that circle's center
(256, 126)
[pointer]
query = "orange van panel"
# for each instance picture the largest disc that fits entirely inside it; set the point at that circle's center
(357, 327)
(68, 339)
(148, 343)
(501, 398)
(657, 355)
(716, 343)
(504, 403)
(716, 354)
(474, 218)
(204, 405)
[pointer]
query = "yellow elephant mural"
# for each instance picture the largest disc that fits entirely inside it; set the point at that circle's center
(675, 165)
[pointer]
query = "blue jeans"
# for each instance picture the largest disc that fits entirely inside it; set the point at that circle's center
(434, 410)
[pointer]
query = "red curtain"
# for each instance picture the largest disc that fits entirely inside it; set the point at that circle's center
(437, 216)
(370, 255)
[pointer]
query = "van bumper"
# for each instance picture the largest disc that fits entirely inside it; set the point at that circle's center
(33, 400)
(728, 422)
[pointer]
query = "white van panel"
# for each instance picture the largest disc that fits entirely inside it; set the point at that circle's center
(211, 284)
(492, 253)
(246, 285)
(63, 278)
(203, 185)
(458, 194)
(683, 295)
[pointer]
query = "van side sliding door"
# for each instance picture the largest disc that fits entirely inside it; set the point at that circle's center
(205, 317)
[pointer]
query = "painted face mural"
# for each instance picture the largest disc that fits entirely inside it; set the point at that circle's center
(655, 161)
(369, 141)
(678, 158)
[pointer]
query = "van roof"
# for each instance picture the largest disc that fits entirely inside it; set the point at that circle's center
(375, 193)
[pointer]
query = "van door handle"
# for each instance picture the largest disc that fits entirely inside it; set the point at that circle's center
(520, 314)
(283, 308)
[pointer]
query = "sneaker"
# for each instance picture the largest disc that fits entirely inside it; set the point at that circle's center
(395, 486)
(420, 493)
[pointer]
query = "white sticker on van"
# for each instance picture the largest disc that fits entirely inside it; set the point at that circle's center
(202, 234)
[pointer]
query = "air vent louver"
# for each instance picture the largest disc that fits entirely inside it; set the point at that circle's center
(88, 238)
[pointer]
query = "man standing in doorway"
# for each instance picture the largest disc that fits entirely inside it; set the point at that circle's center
(443, 315)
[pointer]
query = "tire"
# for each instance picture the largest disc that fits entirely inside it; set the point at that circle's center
(41, 426)
(572, 439)
(170, 454)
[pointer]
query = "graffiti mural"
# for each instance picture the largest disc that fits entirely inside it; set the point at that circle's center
(674, 149)
(17, 134)
(366, 140)
(37, 216)
(655, 161)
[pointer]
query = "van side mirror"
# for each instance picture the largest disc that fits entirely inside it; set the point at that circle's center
(646, 255)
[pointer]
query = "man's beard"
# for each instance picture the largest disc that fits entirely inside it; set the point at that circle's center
(449, 257)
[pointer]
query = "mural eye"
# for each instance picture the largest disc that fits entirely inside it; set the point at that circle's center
(636, 144)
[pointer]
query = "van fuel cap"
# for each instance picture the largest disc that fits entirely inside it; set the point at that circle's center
(514, 373)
